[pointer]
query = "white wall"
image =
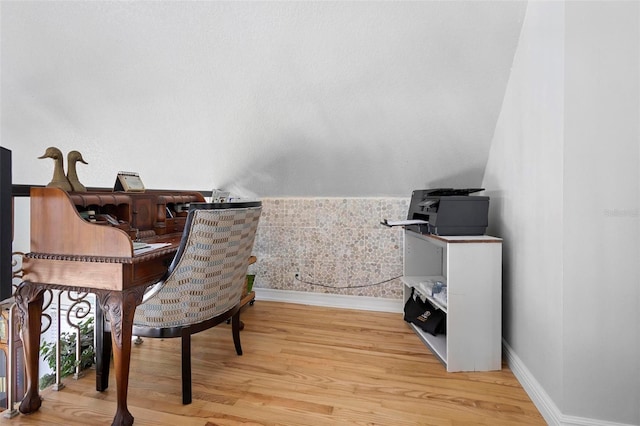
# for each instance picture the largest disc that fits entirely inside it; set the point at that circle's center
(524, 179)
(601, 211)
(564, 168)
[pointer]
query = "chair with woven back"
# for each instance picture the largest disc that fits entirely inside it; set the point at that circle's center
(203, 285)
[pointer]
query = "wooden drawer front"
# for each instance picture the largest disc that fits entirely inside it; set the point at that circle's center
(71, 273)
(147, 272)
(144, 213)
(175, 225)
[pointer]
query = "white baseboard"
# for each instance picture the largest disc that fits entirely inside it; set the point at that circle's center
(364, 303)
(540, 398)
(543, 402)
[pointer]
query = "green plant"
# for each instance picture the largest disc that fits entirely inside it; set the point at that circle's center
(68, 362)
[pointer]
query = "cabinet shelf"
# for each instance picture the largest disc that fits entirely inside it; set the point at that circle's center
(471, 267)
(437, 344)
(421, 286)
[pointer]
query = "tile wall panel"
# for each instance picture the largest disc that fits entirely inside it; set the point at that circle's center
(338, 244)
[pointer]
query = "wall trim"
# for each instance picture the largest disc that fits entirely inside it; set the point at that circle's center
(543, 402)
(364, 303)
(540, 398)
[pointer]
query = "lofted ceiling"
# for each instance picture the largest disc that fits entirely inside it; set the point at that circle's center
(270, 98)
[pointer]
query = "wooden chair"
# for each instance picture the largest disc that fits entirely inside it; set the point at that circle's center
(203, 286)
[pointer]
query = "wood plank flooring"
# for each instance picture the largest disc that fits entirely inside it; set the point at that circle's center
(302, 365)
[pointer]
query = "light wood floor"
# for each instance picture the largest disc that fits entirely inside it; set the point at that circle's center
(302, 365)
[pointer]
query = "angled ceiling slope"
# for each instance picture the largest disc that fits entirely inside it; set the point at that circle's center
(285, 98)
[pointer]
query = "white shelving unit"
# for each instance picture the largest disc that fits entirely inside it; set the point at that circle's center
(471, 266)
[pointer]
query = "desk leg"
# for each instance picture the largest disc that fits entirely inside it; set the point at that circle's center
(120, 308)
(29, 299)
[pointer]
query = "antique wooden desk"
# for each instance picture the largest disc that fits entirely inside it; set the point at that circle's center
(84, 242)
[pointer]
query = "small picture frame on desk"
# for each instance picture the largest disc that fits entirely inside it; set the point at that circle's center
(128, 182)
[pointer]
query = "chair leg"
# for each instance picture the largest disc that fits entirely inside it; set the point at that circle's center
(186, 367)
(103, 351)
(235, 329)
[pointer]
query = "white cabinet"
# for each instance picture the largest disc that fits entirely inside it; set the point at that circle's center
(471, 267)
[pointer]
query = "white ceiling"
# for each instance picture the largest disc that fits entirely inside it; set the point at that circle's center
(273, 98)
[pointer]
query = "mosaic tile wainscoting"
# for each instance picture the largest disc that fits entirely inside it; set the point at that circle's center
(336, 245)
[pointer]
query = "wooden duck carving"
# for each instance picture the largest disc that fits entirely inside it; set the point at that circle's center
(59, 179)
(72, 176)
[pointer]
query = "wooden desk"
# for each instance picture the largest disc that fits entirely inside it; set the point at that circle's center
(70, 253)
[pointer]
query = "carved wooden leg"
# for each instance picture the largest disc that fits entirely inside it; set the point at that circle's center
(120, 308)
(29, 298)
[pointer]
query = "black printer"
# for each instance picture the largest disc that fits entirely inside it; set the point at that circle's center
(449, 211)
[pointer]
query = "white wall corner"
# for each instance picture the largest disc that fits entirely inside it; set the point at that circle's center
(548, 409)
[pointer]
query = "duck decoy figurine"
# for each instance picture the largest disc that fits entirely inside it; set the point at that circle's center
(59, 179)
(72, 176)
